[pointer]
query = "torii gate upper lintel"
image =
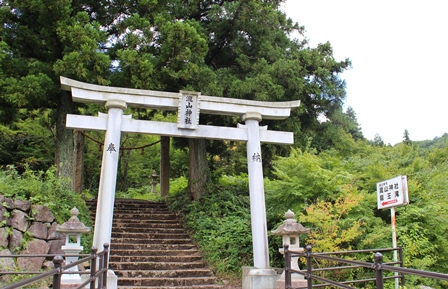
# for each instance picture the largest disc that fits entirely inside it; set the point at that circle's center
(92, 93)
(189, 105)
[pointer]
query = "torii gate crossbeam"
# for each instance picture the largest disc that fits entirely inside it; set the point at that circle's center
(188, 104)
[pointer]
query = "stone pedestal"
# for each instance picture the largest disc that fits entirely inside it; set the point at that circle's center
(74, 278)
(297, 280)
(254, 278)
(294, 283)
(112, 280)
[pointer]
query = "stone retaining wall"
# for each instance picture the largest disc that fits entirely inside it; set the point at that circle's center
(27, 229)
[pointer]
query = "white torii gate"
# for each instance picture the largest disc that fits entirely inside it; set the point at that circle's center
(188, 105)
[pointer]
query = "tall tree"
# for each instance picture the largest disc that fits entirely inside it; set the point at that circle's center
(253, 57)
(42, 40)
(406, 138)
(238, 49)
(377, 140)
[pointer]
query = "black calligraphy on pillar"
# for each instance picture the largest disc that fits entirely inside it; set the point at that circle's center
(256, 157)
(188, 111)
(111, 148)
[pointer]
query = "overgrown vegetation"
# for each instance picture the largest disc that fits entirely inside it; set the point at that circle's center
(219, 222)
(333, 194)
(44, 188)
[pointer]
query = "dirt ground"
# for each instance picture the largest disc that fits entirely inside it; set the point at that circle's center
(232, 284)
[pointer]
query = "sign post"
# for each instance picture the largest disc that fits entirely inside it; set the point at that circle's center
(392, 193)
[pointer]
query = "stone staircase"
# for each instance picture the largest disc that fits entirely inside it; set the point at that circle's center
(150, 249)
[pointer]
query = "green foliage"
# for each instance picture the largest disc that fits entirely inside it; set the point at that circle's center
(26, 140)
(141, 193)
(334, 193)
(43, 188)
(309, 181)
(301, 177)
(80, 38)
(11, 279)
(220, 224)
(178, 186)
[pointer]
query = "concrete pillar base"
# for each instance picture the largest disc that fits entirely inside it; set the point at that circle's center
(254, 278)
(112, 280)
(280, 284)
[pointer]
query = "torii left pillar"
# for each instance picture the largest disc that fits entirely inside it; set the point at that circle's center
(109, 167)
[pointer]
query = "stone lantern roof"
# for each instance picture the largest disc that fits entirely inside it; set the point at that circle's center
(290, 226)
(73, 225)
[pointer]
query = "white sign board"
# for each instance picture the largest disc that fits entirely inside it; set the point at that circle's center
(392, 192)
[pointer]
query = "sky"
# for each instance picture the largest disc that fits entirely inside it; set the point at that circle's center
(399, 54)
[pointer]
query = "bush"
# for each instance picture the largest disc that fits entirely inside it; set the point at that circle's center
(44, 188)
(220, 224)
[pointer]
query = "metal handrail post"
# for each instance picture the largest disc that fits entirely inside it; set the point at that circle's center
(99, 272)
(309, 267)
(93, 267)
(105, 264)
(379, 270)
(287, 267)
(57, 261)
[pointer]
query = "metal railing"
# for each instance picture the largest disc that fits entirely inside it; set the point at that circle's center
(96, 279)
(378, 266)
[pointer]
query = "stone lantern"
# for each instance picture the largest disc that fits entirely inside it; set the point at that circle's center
(154, 182)
(290, 231)
(72, 229)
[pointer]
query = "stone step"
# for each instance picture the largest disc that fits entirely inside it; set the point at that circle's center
(152, 241)
(164, 273)
(155, 252)
(131, 203)
(150, 207)
(151, 235)
(141, 216)
(146, 224)
(135, 202)
(175, 259)
(156, 265)
(153, 230)
(153, 246)
(149, 219)
(189, 281)
(127, 210)
(142, 212)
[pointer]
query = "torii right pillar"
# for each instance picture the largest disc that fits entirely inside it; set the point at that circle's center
(262, 276)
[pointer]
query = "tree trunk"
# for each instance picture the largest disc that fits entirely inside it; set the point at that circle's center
(64, 140)
(78, 161)
(123, 171)
(198, 166)
(164, 166)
